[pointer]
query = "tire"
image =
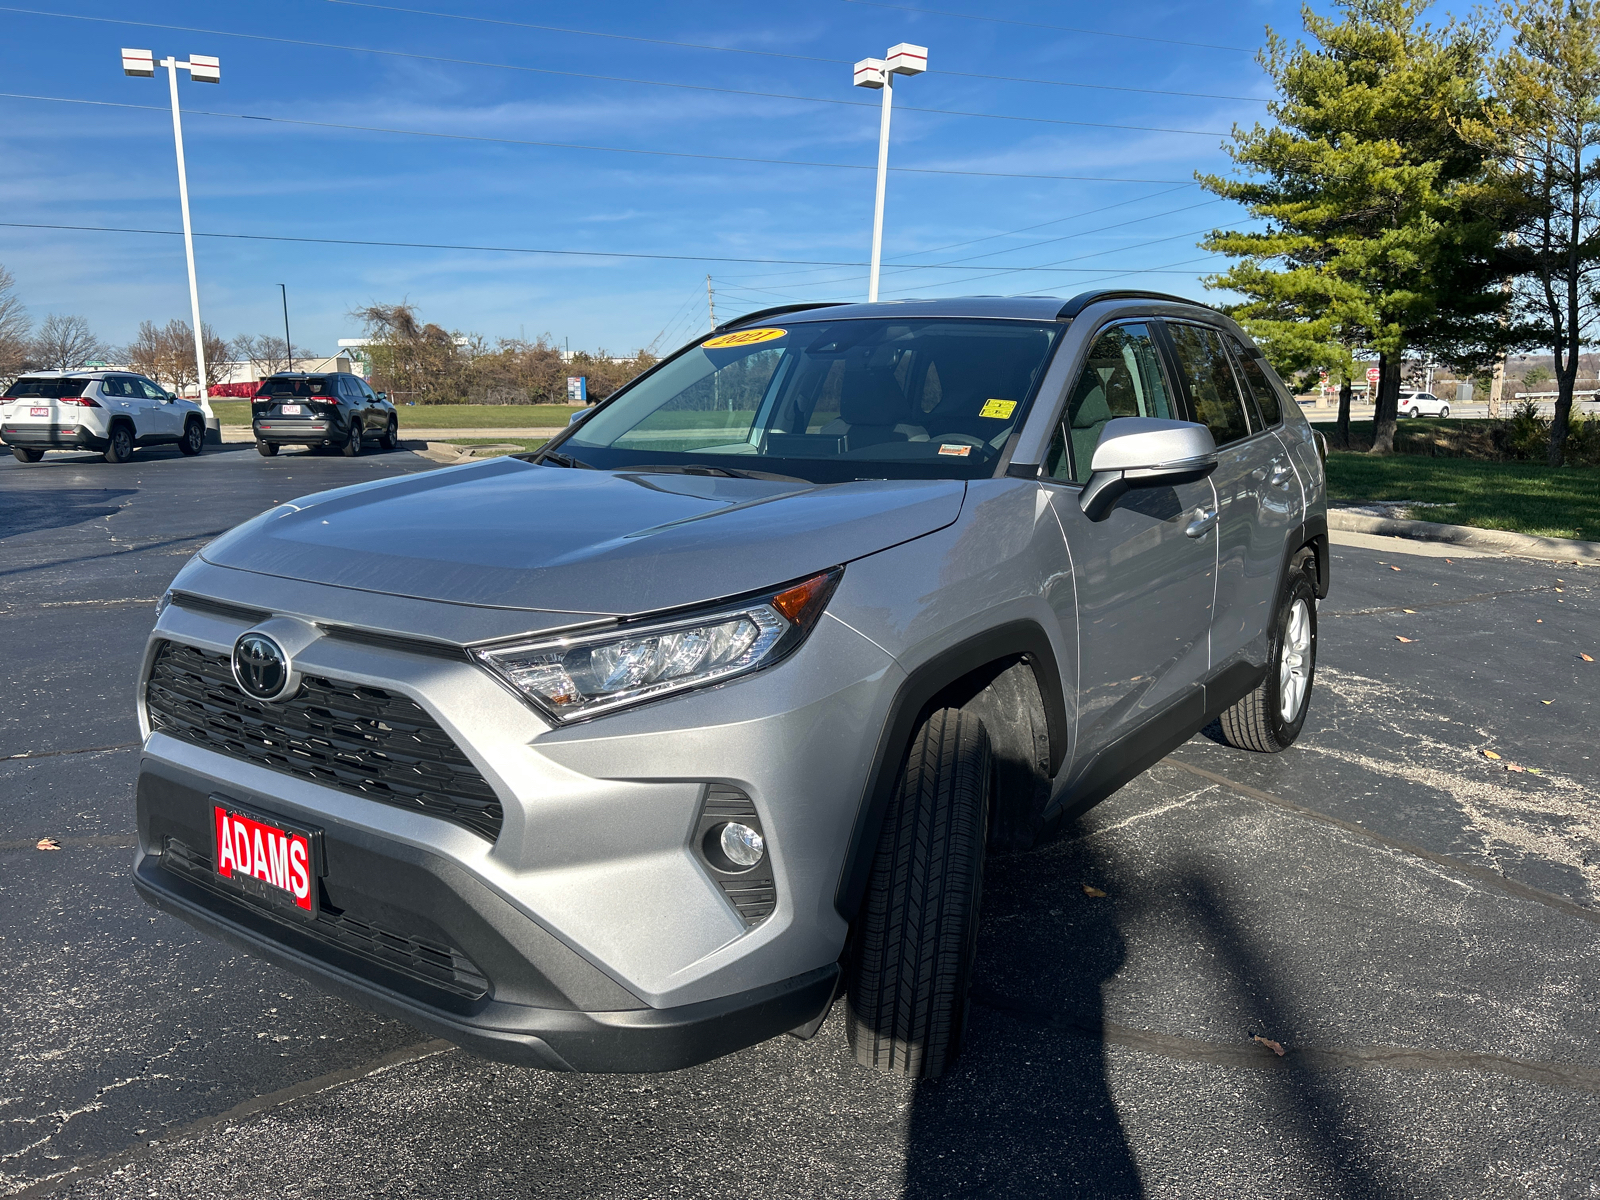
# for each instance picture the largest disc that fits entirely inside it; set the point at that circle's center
(23, 454)
(391, 435)
(1445, 411)
(266, 449)
(914, 941)
(1258, 721)
(352, 444)
(194, 438)
(1414, 413)
(119, 449)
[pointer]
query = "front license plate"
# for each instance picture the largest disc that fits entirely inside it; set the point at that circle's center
(38, 412)
(266, 860)
(292, 410)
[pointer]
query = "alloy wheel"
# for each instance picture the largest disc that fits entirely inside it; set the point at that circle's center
(1294, 666)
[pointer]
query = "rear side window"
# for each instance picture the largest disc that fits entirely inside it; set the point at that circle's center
(1203, 360)
(46, 389)
(317, 387)
(1255, 378)
(1121, 378)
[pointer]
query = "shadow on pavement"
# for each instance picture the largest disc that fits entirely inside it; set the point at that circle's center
(1028, 1111)
(58, 508)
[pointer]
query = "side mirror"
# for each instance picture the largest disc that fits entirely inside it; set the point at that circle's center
(577, 416)
(383, 395)
(1144, 452)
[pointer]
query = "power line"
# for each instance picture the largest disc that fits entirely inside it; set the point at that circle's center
(467, 137)
(690, 87)
(1134, 37)
(626, 37)
(266, 237)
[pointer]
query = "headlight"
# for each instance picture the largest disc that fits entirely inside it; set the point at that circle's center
(587, 674)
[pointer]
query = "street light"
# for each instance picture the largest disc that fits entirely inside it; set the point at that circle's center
(904, 59)
(202, 68)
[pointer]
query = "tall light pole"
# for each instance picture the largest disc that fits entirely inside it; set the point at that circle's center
(904, 59)
(202, 68)
(288, 346)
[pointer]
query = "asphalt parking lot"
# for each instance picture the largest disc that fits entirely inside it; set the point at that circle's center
(1414, 923)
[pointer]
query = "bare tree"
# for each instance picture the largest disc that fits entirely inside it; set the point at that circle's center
(268, 354)
(65, 344)
(14, 329)
(166, 353)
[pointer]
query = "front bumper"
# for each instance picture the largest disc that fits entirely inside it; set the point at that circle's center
(407, 932)
(52, 437)
(285, 431)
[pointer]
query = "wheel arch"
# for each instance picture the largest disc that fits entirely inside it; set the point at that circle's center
(1010, 676)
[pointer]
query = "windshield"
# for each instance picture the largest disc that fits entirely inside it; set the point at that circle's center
(314, 389)
(46, 389)
(827, 401)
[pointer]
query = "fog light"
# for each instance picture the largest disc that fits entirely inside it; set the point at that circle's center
(743, 846)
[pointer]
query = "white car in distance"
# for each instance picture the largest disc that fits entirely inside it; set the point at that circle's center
(1422, 404)
(111, 412)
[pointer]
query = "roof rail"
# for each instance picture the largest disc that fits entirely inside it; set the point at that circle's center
(1082, 301)
(762, 313)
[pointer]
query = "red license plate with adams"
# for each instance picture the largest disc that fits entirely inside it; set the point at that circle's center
(271, 861)
(38, 412)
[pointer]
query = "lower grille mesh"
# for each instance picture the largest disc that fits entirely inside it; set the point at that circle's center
(422, 959)
(343, 735)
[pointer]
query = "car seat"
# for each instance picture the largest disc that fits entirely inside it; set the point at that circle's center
(873, 409)
(1106, 390)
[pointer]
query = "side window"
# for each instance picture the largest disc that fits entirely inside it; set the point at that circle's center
(1121, 378)
(1203, 359)
(1255, 378)
(150, 390)
(113, 386)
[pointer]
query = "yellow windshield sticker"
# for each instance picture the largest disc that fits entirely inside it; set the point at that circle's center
(998, 409)
(745, 337)
(958, 451)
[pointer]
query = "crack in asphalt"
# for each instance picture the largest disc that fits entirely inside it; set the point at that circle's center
(30, 754)
(252, 1107)
(67, 562)
(1408, 608)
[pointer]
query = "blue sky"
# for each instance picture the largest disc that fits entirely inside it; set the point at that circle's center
(94, 165)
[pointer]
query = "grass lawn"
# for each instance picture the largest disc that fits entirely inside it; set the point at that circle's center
(442, 416)
(1519, 497)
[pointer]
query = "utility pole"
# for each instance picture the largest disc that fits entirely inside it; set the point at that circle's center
(711, 302)
(202, 68)
(904, 59)
(288, 346)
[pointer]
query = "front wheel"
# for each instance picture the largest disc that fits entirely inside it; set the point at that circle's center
(119, 448)
(916, 935)
(1445, 411)
(352, 444)
(1270, 717)
(23, 454)
(194, 438)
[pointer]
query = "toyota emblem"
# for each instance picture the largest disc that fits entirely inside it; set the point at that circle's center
(260, 667)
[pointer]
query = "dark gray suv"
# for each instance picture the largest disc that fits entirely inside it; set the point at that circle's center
(659, 741)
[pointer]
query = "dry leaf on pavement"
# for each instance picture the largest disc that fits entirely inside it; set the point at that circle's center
(1275, 1047)
(1514, 767)
(1394, 568)
(1408, 610)
(48, 844)
(1586, 657)
(1398, 638)
(1489, 754)
(1547, 702)
(1093, 892)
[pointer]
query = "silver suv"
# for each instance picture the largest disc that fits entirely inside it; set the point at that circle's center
(110, 411)
(652, 744)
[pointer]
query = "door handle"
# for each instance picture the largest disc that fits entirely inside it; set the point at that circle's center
(1282, 474)
(1204, 519)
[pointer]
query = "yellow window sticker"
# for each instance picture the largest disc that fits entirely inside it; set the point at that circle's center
(998, 409)
(958, 451)
(744, 337)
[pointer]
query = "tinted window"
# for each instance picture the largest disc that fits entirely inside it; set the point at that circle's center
(1203, 359)
(314, 388)
(905, 398)
(116, 385)
(1121, 378)
(151, 391)
(46, 389)
(1255, 378)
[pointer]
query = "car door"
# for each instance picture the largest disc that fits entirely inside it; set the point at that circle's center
(1144, 575)
(164, 415)
(351, 391)
(1252, 481)
(121, 395)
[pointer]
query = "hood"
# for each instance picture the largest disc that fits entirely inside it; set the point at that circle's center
(511, 534)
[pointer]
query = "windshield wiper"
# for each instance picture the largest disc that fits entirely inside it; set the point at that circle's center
(708, 469)
(561, 460)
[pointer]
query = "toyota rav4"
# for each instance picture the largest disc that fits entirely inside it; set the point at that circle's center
(109, 411)
(659, 741)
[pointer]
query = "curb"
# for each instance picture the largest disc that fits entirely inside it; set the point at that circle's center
(1525, 545)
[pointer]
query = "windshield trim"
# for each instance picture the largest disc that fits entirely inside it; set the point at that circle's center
(819, 316)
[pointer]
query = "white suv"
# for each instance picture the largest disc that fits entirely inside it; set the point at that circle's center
(109, 411)
(1417, 404)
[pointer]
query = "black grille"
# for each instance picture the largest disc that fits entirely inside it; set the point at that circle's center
(358, 739)
(420, 958)
(752, 892)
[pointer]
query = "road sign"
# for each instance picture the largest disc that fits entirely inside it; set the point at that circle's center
(577, 389)
(1372, 376)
